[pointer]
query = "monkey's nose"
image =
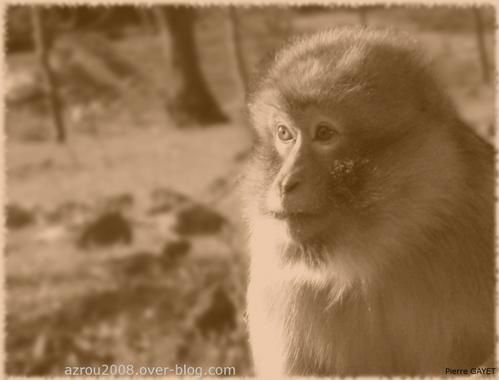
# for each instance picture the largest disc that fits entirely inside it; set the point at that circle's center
(288, 185)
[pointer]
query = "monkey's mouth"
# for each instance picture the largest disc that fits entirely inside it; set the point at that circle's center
(292, 215)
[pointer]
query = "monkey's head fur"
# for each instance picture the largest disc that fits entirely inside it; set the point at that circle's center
(349, 128)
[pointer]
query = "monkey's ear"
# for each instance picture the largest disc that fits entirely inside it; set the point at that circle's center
(260, 127)
(263, 108)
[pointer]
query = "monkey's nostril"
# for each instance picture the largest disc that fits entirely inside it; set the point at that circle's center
(288, 185)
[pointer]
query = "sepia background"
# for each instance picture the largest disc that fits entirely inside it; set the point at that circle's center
(126, 136)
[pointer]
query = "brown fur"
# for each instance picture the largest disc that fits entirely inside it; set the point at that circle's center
(394, 271)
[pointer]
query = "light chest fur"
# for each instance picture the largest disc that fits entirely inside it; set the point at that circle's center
(412, 317)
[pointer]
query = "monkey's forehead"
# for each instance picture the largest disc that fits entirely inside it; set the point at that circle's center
(337, 44)
(332, 65)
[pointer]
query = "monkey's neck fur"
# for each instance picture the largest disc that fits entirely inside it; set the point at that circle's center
(387, 294)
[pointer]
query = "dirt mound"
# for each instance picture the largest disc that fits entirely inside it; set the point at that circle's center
(220, 315)
(198, 220)
(173, 251)
(107, 229)
(18, 217)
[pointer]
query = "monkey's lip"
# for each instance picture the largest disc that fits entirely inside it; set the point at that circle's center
(292, 215)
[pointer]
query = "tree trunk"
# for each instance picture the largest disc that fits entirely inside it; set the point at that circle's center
(237, 42)
(42, 45)
(145, 18)
(363, 15)
(193, 101)
(166, 48)
(480, 40)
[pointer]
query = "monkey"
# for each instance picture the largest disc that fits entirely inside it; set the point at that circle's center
(370, 212)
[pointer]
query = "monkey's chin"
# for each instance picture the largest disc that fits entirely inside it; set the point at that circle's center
(301, 227)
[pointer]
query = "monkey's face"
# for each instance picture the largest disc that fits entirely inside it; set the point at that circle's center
(344, 132)
(313, 174)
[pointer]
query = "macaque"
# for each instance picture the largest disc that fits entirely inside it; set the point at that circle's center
(370, 207)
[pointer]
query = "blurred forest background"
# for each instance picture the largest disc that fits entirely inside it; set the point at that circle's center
(126, 134)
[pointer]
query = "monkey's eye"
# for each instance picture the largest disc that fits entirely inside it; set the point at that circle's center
(324, 133)
(283, 133)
